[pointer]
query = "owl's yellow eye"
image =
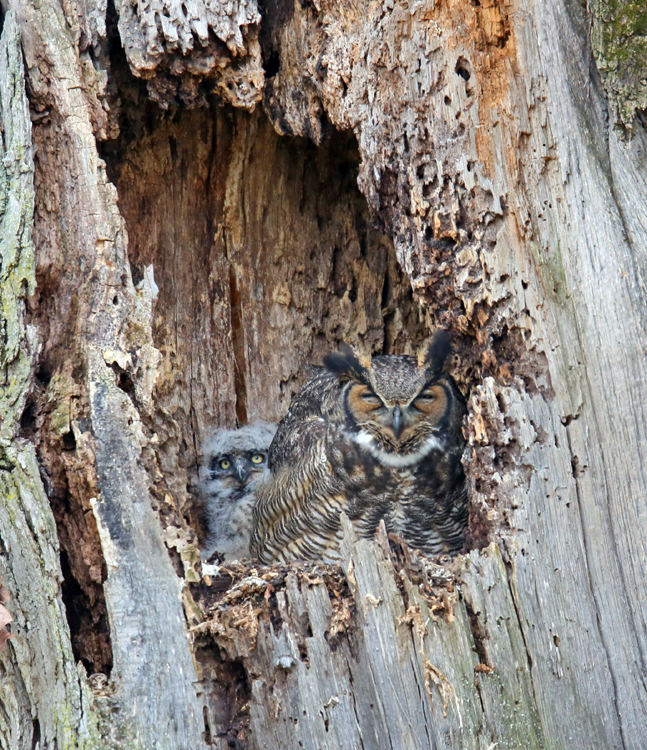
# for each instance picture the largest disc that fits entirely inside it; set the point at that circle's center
(225, 464)
(257, 458)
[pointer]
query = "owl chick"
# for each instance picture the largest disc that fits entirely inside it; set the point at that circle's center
(380, 440)
(234, 465)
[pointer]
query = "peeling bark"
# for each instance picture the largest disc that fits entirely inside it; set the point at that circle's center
(191, 49)
(89, 306)
(42, 696)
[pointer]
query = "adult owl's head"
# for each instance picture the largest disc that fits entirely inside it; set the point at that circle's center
(399, 408)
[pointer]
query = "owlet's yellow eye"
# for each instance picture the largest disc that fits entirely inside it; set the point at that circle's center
(257, 458)
(225, 464)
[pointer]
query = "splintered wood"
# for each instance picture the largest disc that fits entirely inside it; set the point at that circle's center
(407, 163)
(284, 648)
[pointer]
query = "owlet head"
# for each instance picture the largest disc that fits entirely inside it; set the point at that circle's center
(397, 407)
(237, 458)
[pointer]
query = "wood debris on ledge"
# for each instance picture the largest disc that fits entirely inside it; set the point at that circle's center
(283, 648)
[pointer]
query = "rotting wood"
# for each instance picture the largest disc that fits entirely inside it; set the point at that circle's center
(106, 322)
(266, 257)
(42, 700)
(383, 656)
(188, 50)
(513, 145)
(485, 149)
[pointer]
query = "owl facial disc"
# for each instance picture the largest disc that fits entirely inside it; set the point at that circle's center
(379, 439)
(396, 406)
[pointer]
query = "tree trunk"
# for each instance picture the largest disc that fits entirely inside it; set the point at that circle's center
(198, 201)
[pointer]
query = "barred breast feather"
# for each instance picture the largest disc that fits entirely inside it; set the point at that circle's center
(380, 441)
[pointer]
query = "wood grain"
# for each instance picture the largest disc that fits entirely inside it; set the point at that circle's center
(413, 164)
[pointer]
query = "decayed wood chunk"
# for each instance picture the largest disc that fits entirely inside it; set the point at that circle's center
(384, 653)
(188, 49)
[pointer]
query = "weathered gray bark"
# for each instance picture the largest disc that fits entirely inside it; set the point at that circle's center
(41, 692)
(46, 699)
(491, 168)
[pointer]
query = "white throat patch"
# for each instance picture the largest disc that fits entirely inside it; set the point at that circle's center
(397, 460)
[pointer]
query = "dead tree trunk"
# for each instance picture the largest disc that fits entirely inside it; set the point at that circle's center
(197, 201)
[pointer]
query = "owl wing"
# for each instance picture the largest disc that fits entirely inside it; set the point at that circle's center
(297, 512)
(302, 423)
(293, 437)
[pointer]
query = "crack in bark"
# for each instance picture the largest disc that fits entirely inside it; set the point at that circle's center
(587, 546)
(354, 703)
(379, 705)
(416, 675)
(517, 612)
(477, 634)
(238, 342)
(479, 648)
(477, 685)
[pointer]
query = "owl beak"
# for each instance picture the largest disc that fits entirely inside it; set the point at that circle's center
(397, 421)
(243, 474)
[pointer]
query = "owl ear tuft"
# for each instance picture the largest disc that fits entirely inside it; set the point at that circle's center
(344, 364)
(435, 354)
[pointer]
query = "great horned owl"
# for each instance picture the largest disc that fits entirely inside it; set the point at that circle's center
(234, 465)
(380, 440)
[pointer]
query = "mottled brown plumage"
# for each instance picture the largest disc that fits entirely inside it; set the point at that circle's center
(381, 441)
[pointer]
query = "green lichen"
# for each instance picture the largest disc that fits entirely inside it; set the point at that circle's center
(619, 38)
(27, 527)
(550, 263)
(17, 261)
